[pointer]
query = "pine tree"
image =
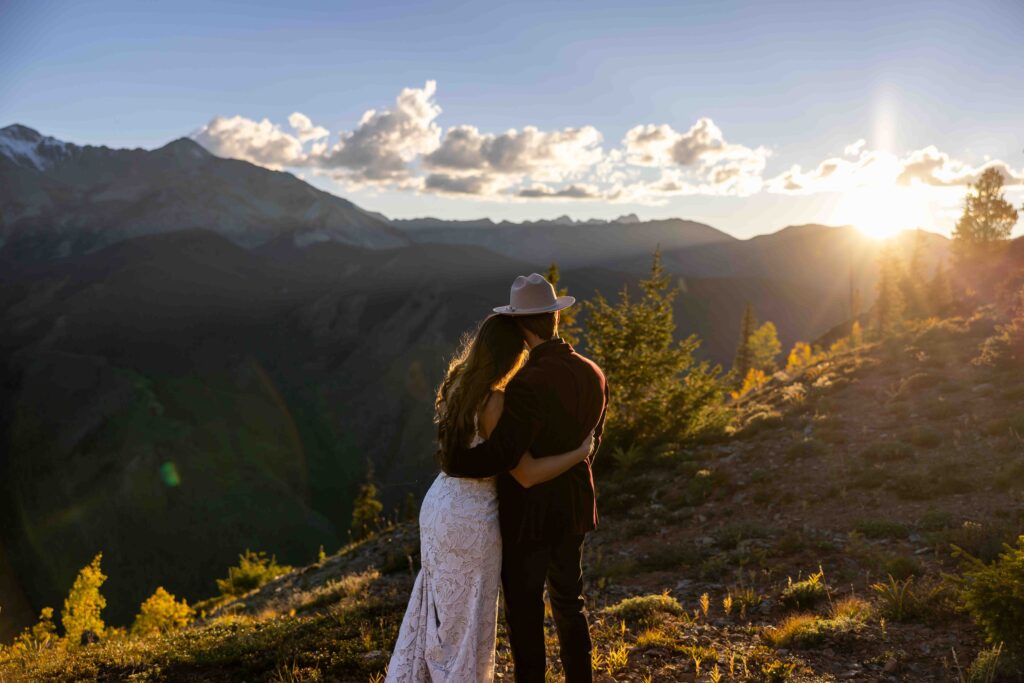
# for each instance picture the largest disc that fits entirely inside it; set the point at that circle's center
(940, 291)
(660, 391)
(567, 326)
(856, 335)
(765, 347)
(84, 603)
(889, 306)
(855, 304)
(744, 360)
(367, 509)
(913, 279)
(986, 222)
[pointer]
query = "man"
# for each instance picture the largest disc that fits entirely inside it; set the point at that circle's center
(550, 406)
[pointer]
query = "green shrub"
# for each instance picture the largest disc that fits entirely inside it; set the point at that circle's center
(1015, 393)
(905, 600)
(941, 410)
(627, 457)
(935, 520)
(924, 437)
(160, 614)
(988, 667)
(33, 639)
(762, 419)
(984, 541)
(806, 448)
(881, 528)
(994, 596)
(643, 609)
(901, 567)
(253, 570)
(1005, 349)
(806, 593)
(897, 599)
(870, 478)
(702, 485)
(939, 481)
(797, 630)
(729, 536)
(916, 382)
(1003, 426)
(803, 630)
(887, 451)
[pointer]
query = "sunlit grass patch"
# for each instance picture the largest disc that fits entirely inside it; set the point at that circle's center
(802, 630)
(644, 609)
(805, 593)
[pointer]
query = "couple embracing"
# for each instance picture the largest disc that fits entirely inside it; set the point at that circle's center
(520, 416)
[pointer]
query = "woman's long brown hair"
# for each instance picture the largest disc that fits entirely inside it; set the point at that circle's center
(484, 362)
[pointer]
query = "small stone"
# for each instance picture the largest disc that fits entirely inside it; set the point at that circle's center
(891, 665)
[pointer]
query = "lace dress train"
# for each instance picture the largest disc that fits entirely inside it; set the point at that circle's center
(448, 632)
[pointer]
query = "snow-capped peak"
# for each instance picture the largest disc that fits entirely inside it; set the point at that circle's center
(24, 146)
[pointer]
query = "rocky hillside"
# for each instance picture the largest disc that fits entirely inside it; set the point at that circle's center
(809, 546)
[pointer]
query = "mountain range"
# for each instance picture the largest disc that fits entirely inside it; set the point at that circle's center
(199, 355)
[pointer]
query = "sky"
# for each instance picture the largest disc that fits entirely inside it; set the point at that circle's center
(749, 116)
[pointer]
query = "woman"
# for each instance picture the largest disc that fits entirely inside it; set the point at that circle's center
(449, 627)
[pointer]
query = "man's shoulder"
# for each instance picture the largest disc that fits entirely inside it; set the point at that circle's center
(553, 369)
(580, 358)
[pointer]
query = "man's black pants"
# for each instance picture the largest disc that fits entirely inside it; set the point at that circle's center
(524, 568)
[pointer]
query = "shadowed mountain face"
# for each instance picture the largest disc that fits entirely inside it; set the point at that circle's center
(173, 399)
(198, 355)
(570, 243)
(60, 199)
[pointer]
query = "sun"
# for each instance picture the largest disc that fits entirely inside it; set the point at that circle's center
(881, 212)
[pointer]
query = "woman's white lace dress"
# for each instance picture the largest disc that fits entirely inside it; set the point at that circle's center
(449, 627)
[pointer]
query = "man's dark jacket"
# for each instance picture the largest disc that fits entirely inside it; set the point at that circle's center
(550, 406)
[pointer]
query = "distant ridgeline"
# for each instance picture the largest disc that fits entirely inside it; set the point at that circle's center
(199, 355)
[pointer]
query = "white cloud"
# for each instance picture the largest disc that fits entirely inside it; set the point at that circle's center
(460, 184)
(385, 142)
(404, 148)
(854, 148)
(713, 165)
(304, 128)
(861, 167)
(259, 142)
(929, 166)
(574, 191)
(544, 156)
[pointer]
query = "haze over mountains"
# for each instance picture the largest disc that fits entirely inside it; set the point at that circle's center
(199, 355)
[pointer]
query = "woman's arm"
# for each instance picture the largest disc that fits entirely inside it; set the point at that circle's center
(532, 471)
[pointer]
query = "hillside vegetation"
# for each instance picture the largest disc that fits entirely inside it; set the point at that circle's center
(826, 539)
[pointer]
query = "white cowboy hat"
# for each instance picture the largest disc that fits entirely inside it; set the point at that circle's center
(533, 294)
